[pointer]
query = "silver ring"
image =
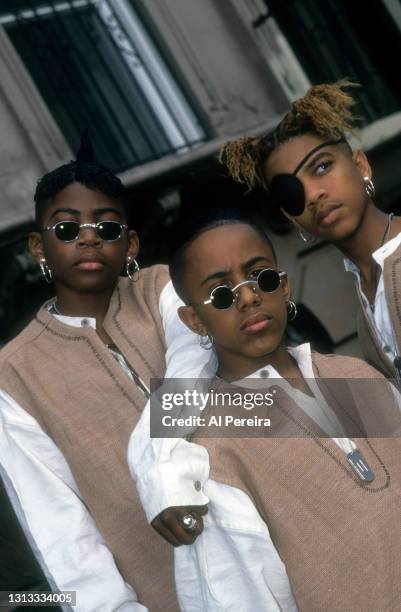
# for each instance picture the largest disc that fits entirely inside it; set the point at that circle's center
(189, 522)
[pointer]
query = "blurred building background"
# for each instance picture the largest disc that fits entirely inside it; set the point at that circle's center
(161, 84)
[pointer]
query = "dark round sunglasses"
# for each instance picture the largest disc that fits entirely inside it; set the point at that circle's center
(223, 297)
(68, 231)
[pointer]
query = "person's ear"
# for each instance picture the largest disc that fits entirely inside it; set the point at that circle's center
(361, 161)
(286, 287)
(133, 244)
(190, 318)
(35, 244)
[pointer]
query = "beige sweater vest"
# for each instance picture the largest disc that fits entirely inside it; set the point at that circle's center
(340, 539)
(367, 335)
(67, 379)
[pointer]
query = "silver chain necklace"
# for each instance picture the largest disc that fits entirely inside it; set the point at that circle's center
(383, 241)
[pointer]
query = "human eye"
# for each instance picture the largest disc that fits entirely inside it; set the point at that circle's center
(322, 167)
(220, 284)
(255, 272)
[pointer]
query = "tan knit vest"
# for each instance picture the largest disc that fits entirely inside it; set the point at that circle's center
(68, 380)
(367, 335)
(340, 539)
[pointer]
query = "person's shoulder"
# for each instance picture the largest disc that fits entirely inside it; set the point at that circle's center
(151, 281)
(343, 366)
(18, 346)
(157, 273)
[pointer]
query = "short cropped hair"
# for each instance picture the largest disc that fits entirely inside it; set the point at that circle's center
(191, 228)
(89, 173)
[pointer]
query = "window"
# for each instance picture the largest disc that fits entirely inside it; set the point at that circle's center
(96, 66)
(338, 38)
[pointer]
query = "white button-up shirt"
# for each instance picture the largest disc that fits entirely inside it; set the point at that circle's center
(234, 564)
(46, 499)
(380, 316)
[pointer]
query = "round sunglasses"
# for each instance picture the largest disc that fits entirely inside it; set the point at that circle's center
(68, 231)
(223, 297)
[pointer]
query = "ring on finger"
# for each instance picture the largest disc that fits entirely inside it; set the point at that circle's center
(189, 522)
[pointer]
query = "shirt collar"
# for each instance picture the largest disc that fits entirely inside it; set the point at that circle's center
(302, 355)
(379, 255)
(72, 321)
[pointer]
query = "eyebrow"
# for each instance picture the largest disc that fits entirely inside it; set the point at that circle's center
(248, 264)
(97, 211)
(316, 158)
(327, 143)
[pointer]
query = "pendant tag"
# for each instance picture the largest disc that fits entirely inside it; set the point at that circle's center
(360, 466)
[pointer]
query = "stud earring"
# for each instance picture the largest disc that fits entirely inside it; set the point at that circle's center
(132, 269)
(369, 186)
(46, 271)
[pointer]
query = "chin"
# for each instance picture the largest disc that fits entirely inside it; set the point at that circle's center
(264, 349)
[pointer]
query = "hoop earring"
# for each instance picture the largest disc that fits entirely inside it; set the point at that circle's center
(206, 342)
(292, 310)
(369, 187)
(132, 269)
(46, 271)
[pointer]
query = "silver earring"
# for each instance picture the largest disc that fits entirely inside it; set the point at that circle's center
(292, 310)
(206, 342)
(369, 187)
(132, 269)
(306, 237)
(46, 271)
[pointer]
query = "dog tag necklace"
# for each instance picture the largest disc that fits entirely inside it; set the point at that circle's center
(356, 459)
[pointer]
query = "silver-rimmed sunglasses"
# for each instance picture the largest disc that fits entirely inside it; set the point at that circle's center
(68, 231)
(223, 296)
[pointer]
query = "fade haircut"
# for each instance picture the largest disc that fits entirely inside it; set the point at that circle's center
(325, 111)
(191, 228)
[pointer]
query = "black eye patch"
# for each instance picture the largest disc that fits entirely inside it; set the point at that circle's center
(287, 192)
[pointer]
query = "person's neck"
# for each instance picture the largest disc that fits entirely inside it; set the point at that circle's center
(90, 305)
(235, 369)
(373, 231)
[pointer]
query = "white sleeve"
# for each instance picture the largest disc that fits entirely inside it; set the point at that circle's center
(233, 564)
(172, 471)
(63, 536)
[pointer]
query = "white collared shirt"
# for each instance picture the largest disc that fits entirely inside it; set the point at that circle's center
(234, 564)
(46, 499)
(380, 316)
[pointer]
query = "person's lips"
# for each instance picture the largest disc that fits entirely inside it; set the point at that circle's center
(255, 323)
(327, 215)
(90, 261)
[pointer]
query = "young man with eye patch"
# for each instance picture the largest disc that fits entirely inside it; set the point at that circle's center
(326, 189)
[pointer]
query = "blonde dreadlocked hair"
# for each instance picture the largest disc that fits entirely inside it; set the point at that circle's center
(325, 110)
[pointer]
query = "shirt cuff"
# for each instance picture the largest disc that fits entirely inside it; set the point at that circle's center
(175, 483)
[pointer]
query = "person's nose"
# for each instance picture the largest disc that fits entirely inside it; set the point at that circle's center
(314, 194)
(88, 235)
(247, 295)
(315, 197)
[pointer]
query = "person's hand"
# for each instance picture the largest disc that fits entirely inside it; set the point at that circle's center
(180, 524)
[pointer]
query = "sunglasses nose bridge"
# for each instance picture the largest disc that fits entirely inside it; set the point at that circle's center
(250, 293)
(88, 231)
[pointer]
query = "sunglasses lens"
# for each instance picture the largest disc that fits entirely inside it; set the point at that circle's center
(222, 297)
(287, 192)
(109, 230)
(67, 230)
(269, 280)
